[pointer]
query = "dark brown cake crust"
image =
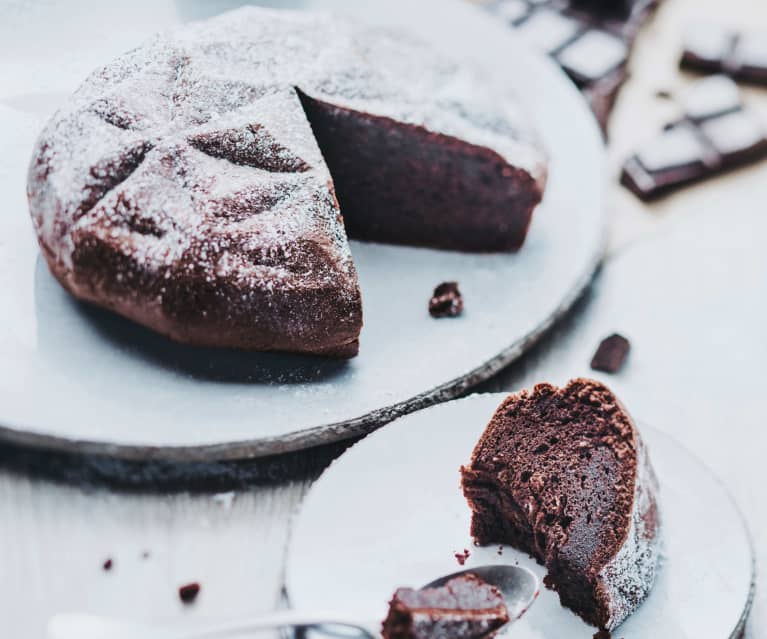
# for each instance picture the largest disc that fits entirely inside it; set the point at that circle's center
(182, 186)
(563, 475)
(464, 608)
(196, 310)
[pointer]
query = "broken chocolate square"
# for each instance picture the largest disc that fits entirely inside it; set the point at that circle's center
(611, 354)
(711, 48)
(717, 133)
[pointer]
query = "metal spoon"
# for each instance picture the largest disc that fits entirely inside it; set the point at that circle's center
(518, 585)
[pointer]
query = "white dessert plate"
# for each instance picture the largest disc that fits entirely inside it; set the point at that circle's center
(390, 513)
(75, 378)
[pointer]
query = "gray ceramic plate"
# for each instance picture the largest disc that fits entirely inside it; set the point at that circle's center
(390, 513)
(75, 378)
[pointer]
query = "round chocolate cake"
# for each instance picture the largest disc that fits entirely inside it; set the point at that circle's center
(562, 474)
(196, 184)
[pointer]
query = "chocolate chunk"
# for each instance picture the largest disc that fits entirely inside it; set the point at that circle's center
(717, 133)
(712, 48)
(590, 39)
(188, 593)
(446, 301)
(611, 354)
(107, 565)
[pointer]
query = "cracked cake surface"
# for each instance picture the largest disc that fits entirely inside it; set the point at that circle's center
(196, 184)
(563, 474)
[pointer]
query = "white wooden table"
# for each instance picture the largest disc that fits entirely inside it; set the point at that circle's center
(684, 279)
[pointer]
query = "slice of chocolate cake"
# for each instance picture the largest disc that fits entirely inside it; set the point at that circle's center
(562, 474)
(464, 608)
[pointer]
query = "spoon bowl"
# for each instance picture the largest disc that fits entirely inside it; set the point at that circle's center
(518, 585)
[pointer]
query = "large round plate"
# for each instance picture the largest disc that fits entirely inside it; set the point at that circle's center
(390, 513)
(75, 378)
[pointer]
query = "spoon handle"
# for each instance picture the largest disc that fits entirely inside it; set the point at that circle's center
(81, 626)
(281, 619)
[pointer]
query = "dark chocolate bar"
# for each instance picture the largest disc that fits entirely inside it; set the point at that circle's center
(717, 133)
(714, 49)
(590, 39)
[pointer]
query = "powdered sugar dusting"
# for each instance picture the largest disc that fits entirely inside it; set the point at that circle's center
(629, 576)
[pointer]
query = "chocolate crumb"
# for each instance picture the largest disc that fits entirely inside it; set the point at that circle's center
(611, 354)
(602, 634)
(663, 94)
(446, 301)
(189, 592)
(461, 557)
(145, 554)
(500, 550)
(107, 566)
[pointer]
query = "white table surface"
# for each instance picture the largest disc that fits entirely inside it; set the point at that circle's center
(684, 278)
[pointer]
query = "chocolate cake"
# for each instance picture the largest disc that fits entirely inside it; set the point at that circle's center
(197, 184)
(464, 608)
(562, 474)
